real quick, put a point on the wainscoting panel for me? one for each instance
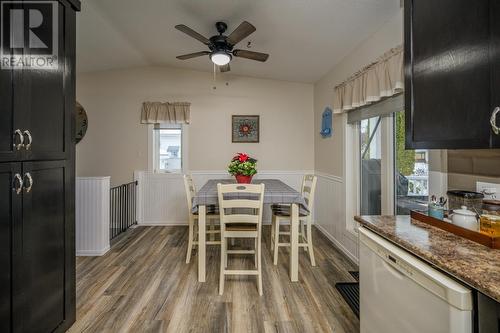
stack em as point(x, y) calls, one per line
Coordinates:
point(162, 199)
point(92, 216)
point(330, 214)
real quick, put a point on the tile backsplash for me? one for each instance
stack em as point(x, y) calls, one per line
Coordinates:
point(467, 167)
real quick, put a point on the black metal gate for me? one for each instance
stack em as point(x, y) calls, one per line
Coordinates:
point(123, 201)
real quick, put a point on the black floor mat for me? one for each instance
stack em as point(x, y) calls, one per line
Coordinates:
point(355, 274)
point(350, 293)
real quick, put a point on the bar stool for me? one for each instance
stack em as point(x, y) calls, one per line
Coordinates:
point(240, 217)
point(281, 213)
point(212, 216)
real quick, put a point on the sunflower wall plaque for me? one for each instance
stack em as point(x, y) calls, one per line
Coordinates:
point(82, 122)
point(245, 129)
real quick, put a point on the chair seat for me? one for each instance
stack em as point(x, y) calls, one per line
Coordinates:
point(211, 210)
point(284, 210)
point(241, 227)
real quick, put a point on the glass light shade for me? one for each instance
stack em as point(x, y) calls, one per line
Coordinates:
point(220, 58)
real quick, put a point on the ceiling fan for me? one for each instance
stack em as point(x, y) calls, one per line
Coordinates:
point(221, 46)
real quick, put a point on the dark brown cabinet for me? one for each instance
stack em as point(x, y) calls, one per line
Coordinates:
point(41, 96)
point(495, 65)
point(37, 282)
point(47, 238)
point(37, 154)
point(452, 77)
point(10, 225)
point(33, 114)
point(10, 139)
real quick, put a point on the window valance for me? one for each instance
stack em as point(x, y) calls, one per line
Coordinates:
point(383, 78)
point(165, 113)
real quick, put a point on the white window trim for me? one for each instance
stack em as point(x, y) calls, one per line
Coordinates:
point(387, 165)
point(351, 176)
point(352, 171)
point(152, 150)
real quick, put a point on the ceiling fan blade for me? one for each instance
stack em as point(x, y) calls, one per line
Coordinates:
point(244, 30)
point(251, 55)
point(225, 68)
point(192, 55)
point(192, 33)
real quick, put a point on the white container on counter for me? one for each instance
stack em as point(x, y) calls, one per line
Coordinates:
point(465, 218)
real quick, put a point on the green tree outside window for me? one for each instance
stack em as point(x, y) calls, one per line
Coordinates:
point(405, 159)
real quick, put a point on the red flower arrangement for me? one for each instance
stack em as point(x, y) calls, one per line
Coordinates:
point(243, 167)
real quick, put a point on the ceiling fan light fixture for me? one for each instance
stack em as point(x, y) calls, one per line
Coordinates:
point(220, 58)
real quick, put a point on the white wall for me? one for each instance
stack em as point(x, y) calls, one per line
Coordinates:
point(329, 153)
point(116, 143)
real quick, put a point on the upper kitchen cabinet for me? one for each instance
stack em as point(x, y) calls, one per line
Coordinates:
point(452, 73)
point(8, 134)
point(37, 99)
point(11, 123)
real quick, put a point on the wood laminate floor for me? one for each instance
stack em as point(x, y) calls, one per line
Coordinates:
point(144, 285)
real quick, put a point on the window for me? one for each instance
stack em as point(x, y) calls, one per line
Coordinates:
point(168, 148)
point(382, 177)
point(412, 172)
point(391, 178)
point(370, 142)
point(421, 156)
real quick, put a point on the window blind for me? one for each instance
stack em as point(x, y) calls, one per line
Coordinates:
point(385, 107)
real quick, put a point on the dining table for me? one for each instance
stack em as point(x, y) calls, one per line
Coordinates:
point(276, 192)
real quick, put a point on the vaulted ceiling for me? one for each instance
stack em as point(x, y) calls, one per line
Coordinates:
point(305, 38)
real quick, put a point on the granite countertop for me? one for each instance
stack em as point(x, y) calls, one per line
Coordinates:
point(474, 264)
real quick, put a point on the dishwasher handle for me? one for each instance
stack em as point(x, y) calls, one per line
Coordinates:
point(393, 269)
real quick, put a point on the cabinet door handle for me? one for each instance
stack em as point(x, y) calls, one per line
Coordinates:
point(18, 184)
point(493, 121)
point(27, 187)
point(30, 139)
point(19, 135)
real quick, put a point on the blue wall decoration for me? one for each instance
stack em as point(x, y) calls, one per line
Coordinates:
point(326, 123)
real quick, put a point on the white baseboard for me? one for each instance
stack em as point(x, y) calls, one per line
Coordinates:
point(337, 244)
point(92, 253)
point(162, 224)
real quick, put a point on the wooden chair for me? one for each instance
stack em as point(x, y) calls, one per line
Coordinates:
point(241, 218)
point(281, 213)
point(212, 215)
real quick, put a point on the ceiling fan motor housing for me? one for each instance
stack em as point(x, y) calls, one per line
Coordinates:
point(221, 27)
point(219, 43)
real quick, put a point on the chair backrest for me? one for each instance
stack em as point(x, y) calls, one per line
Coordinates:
point(190, 191)
point(308, 190)
point(241, 203)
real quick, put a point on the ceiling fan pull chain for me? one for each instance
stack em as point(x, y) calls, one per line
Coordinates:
point(215, 77)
